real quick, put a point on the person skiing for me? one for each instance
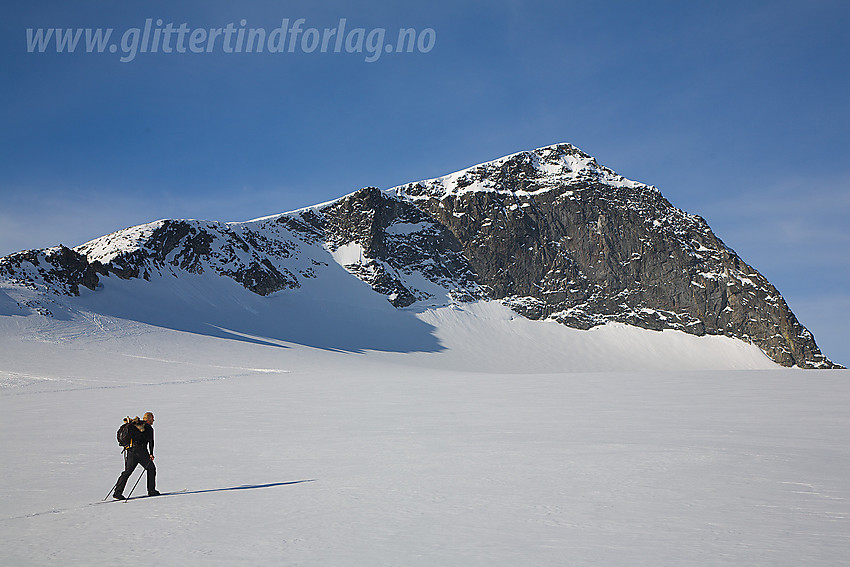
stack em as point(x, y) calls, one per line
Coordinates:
point(140, 452)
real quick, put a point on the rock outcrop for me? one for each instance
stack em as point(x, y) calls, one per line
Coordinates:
point(557, 236)
point(549, 232)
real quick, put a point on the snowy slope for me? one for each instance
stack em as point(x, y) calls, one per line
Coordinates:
point(341, 313)
point(320, 425)
point(551, 168)
point(296, 455)
point(335, 386)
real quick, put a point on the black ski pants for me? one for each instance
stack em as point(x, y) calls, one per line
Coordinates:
point(131, 461)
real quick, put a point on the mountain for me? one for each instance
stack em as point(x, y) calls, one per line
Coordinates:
point(550, 233)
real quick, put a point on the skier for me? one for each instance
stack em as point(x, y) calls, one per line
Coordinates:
point(140, 452)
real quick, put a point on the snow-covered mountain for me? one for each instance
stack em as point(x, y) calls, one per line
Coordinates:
point(550, 233)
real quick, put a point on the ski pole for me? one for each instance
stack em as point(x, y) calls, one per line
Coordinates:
point(124, 452)
point(137, 482)
point(111, 490)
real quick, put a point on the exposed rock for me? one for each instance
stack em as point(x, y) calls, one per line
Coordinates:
point(253, 259)
point(59, 269)
point(555, 235)
point(397, 241)
point(550, 232)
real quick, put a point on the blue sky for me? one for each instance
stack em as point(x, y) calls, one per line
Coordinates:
point(736, 111)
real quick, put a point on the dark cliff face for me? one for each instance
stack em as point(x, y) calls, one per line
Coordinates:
point(555, 235)
point(61, 269)
point(550, 233)
point(195, 247)
point(398, 239)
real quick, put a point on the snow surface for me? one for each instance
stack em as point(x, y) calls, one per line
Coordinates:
point(561, 164)
point(310, 428)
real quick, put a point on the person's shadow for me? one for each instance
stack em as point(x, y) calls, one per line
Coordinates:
point(243, 487)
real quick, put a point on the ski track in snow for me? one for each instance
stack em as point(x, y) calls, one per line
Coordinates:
point(265, 370)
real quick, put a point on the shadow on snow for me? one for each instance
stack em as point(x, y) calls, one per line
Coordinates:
point(348, 318)
point(243, 487)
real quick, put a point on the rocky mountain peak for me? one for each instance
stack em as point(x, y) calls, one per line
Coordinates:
point(551, 168)
point(549, 232)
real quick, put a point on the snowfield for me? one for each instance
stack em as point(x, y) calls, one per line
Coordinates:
point(349, 433)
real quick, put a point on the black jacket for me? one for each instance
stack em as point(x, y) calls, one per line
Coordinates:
point(143, 444)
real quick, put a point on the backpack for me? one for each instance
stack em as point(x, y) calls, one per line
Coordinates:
point(130, 432)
